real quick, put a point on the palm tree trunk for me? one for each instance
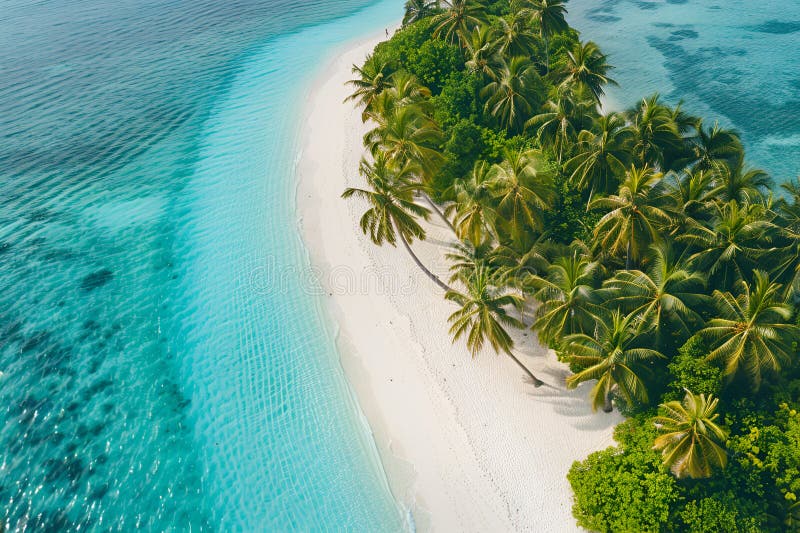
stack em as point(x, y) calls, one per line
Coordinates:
point(438, 211)
point(608, 406)
point(546, 54)
point(536, 381)
point(628, 254)
point(422, 267)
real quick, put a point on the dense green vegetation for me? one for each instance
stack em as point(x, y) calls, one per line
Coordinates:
point(665, 271)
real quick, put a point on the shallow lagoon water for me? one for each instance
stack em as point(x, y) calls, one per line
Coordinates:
point(728, 60)
point(166, 364)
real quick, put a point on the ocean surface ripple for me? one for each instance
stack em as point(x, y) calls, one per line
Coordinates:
point(153, 376)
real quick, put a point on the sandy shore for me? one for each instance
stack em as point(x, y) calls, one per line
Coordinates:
point(467, 444)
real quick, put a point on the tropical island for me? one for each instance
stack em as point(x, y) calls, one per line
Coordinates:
point(639, 245)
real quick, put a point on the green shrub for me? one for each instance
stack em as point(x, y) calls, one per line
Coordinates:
point(624, 489)
point(713, 515)
point(404, 44)
point(690, 370)
point(434, 63)
point(457, 100)
point(570, 219)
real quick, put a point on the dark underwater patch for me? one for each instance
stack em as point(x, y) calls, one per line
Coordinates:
point(777, 27)
point(683, 34)
point(716, 82)
point(647, 6)
point(601, 17)
point(96, 279)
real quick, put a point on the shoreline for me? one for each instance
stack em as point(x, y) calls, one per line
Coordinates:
point(465, 443)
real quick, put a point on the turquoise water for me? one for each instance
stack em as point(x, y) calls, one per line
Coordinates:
point(730, 60)
point(165, 362)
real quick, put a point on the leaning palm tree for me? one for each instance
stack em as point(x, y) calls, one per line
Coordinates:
point(372, 79)
point(459, 18)
point(613, 357)
point(753, 333)
point(418, 10)
point(484, 315)
point(664, 296)
point(690, 437)
point(569, 302)
point(588, 67)
point(406, 134)
point(522, 186)
point(473, 212)
point(466, 258)
point(514, 94)
point(392, 210)
point(633, 220)
point(603, 154)
point(550, 15)
point(521, 263)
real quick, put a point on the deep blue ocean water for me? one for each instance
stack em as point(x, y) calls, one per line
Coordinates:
point(734, 61)
point(165, 365)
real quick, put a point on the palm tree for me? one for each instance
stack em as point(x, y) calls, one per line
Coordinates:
point(656, 132)
point(602, 155)
point(753, 333)
point(458, 20)
point(612, 357)
point(407, 90)
point(483, 51)
point(787, 256)
point(404, 91)
point(569, 303)
point(689, 196)
point(521, 263)
point(523, 187)
point(514, 94)
point(588, 67)
point(406, 134)
point(372, 79)
point(515, 37)
point(561, 120)
point(418, 10)
point(473, 215)
point(467, 258)
point(633, 221)
point(664, 297)
point(738, 182)
point(690, 437)
point(715, 146)
point(484, 316)
point(730, 246)
point(392, 210)
point(550, 15)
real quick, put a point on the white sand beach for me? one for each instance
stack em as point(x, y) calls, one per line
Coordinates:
point(467, 443)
